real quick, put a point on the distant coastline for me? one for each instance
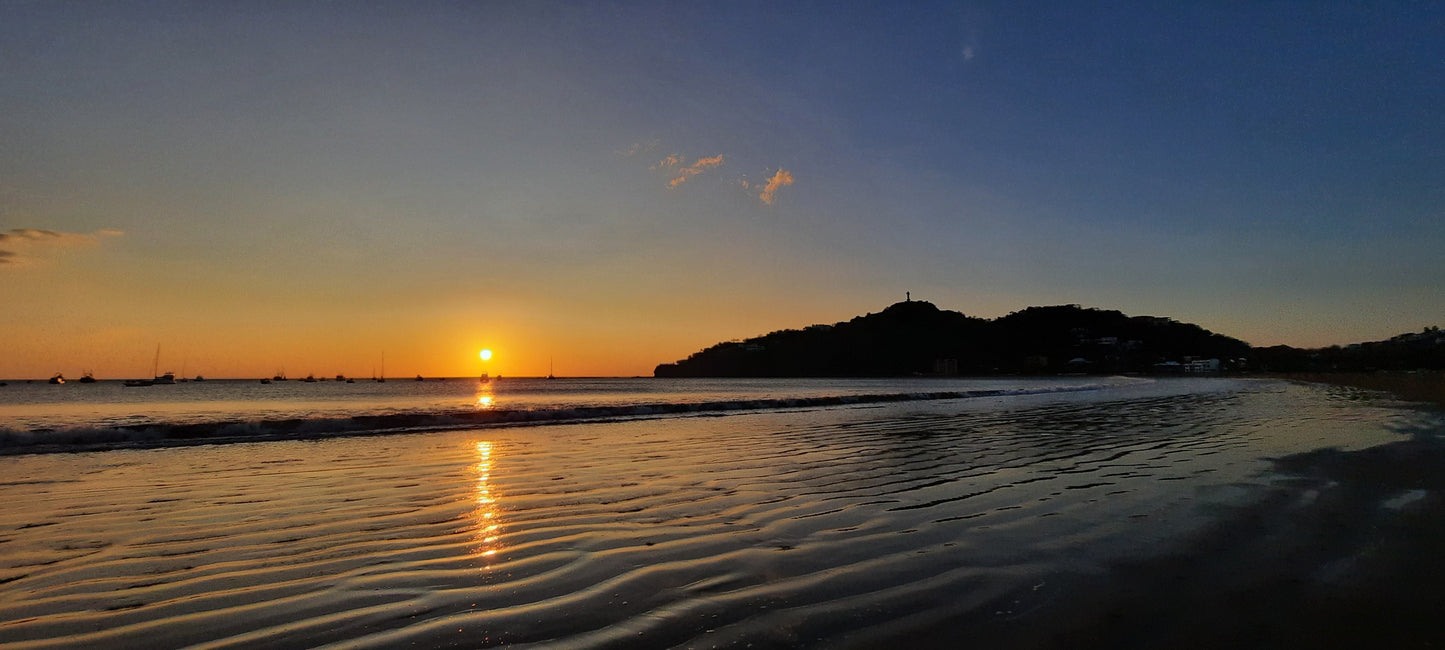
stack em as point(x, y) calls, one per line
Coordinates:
point(916, 338)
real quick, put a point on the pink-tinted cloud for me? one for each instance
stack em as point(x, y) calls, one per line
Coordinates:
point(669, 162)
point(702, 164)
point(782, 178)
point(22, 246)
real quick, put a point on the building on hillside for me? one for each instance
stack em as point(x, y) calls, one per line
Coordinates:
point(1202, 366)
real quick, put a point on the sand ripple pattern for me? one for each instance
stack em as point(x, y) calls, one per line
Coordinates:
point(844, 526)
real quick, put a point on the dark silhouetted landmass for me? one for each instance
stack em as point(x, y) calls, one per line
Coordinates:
point(1424, 350)
point(918, 338)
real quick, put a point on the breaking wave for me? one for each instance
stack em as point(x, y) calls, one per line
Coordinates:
point(165, 434)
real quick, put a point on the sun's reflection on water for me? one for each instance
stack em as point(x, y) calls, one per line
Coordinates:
point(484, 396)
point(488, 524)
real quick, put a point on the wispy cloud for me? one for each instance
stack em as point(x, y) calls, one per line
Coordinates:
point(782, 178)
point(679, 171)
point(702, 164)
point(638, 148)
point(24, 246)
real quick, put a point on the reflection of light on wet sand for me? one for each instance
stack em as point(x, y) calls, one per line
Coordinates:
point(486, 511)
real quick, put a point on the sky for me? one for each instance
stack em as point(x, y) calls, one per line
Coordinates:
point(602, 187)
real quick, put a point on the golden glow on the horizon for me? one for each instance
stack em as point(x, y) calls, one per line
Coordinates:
point(486, 355)
point(488, 530)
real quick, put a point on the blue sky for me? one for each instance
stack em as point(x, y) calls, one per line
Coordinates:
point(237, 179)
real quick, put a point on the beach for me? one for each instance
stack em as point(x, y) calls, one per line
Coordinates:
point(1418, 386)
point(1184, 512)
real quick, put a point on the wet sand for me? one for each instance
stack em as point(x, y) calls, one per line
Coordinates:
point(1183, 513)
point(1418, 386)
point(1342, 552)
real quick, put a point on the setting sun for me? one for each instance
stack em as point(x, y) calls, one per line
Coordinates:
point(486, 355)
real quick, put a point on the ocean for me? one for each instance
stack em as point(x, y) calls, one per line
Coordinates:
point(37, 416)
point(1015, 513)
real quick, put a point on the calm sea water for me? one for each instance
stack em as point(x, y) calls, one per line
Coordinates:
point(109, 413)
point(1069, 513)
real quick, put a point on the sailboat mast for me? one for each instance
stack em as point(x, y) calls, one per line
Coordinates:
point(156, 368)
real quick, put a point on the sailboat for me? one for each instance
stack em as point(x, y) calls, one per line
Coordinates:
point(168, 378)
point(382, 379)
point(549, 369)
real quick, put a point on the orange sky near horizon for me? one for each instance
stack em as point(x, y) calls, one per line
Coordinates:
point(79, 319)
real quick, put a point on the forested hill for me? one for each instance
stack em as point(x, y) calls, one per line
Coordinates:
point(916, 337)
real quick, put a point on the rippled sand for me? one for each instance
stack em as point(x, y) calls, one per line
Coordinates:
point(1016, 521)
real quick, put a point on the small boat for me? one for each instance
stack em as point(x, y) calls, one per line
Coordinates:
point(310, 379)
point(57, 379)
point(350, 380)
point(418, 378)
point(265, 380)
point(168, 378)
point(280, 376)
point(341, 378)
point(87, 378)
point(549, 369)
point(199, 378)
